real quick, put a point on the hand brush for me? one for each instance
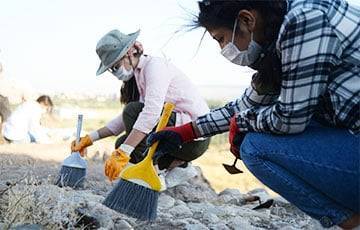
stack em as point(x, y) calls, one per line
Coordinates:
point(137, 192)
point(73, 169)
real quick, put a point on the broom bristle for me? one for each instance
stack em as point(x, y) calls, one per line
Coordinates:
point(134, 200)
point(71, 177)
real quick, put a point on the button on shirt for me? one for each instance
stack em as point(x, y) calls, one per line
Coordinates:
point(319, 47)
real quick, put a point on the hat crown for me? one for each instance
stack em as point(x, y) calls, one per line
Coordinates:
point(110, 45)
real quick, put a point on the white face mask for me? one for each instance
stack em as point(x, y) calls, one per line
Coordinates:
point(123, 74)
point(245, 57)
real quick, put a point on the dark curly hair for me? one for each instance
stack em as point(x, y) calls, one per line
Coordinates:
point(129, 91)
point(222, 14)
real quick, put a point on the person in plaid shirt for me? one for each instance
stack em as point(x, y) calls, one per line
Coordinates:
point(296, 127)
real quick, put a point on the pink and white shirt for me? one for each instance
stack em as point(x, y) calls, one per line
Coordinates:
point(159, 81)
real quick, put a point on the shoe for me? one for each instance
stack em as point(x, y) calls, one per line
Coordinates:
point(179, 175)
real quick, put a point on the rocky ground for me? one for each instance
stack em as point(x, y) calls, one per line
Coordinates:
point(28, 200)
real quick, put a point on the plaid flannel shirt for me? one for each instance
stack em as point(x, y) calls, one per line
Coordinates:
point(319, 47)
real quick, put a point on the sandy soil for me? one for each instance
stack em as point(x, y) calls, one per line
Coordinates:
point(45, 160)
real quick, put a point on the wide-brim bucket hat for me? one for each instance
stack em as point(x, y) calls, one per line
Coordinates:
point(112, 47)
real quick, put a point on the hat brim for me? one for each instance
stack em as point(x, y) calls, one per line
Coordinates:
point(132, 38)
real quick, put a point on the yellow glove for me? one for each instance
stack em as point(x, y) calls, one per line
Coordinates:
point(81, 146)
point(115, 164)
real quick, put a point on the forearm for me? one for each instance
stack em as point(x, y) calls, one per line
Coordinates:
point(134, 137)
point(215, 122)
point(100, 134)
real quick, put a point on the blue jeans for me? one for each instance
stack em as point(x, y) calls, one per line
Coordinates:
point(317, 170)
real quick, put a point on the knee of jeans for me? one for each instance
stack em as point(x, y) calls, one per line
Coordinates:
point(132, 109)
point(251, 147)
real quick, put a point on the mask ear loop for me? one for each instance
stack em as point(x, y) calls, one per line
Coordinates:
point(234, 30)
point(131, 63)
point(135, 85)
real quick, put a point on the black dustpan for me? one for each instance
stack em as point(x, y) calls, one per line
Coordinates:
point(232, 168)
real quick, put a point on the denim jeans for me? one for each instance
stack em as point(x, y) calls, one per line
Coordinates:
point(317, 170)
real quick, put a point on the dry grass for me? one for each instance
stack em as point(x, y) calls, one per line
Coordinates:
point(28, 196)
point(29, 202)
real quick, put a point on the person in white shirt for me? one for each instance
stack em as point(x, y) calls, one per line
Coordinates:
point(23, 125)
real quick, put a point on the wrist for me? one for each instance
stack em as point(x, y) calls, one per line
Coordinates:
point(127, 149)
point(94, 136)
point(186, 132)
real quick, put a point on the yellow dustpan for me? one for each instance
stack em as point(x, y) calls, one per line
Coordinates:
point(144, 172)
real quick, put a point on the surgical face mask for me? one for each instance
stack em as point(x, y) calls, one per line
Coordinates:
point(245, 57)
point(123, 74)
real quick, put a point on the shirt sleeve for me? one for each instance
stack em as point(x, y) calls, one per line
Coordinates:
point(309, 51)
point(158, 75)
point(116, 125)
point(218, 120)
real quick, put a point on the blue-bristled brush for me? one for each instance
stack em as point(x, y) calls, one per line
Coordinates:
point(73, 169)
point(137, 192)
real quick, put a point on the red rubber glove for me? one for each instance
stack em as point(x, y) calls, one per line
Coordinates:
point(235, 138)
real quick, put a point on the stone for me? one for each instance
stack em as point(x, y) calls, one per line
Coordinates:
point(123, 225)
point(179, 202)
point(165, 202)
point(210, 218)
point(199, 209)
point(181, 211)
point(180, 175)
point(29, 227)
point(218, 226)
point(278, 211)
point(193, 224)
point(231, 196)
point(230, 191)
point(239, 223)
point(3, 187)
point(261, 193)
point(289, 228)
point(196, 189)
point(198, 226)
point(163, 216)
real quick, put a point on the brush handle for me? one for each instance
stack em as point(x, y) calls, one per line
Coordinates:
point(168, 108)
point(78, 128)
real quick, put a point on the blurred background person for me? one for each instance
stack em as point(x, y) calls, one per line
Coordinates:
point(24, 124)
point(4, 107)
